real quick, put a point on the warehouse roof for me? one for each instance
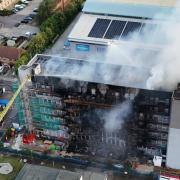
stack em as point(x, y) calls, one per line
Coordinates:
point(129, 8)
point(94, 26)
point(168, 3)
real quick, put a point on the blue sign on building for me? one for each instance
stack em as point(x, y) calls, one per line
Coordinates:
point(82, 47)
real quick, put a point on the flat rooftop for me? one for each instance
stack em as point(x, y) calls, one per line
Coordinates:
point(167, 3)
point(91, 71)
point(131, 8)
point(104, 30)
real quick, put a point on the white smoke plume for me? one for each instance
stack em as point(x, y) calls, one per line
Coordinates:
point(116, 117)
point(163, 60)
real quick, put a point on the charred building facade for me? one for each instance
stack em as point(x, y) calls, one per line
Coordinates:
point(92, 115)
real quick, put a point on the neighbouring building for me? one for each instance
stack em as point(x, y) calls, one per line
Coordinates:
point(9, 55)
point(5, 4)
point(173, 160)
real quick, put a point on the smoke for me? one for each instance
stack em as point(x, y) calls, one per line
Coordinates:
point(155, 48)
point(115, 118)
point(148, 59)
point(105, 73)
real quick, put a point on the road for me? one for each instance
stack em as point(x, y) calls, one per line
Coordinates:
point(7, 22)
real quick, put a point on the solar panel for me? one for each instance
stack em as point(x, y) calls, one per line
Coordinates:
point(131, 27)
point(115, 29)
point(99, 28)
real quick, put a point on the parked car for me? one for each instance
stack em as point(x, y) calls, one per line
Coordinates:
point(28, 18)
point(25, 2)
point(18, 7)
point(24, 21)
point(32, 15)
point(28, 34)
point(17, 24)
point(23, 5)
point(14, 10)
point(35, 10)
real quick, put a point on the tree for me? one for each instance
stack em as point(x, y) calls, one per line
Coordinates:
point(37, 44)
point(45, 10)
point(49, 34)
point(70, 12)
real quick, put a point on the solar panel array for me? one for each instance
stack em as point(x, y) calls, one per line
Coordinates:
point(116, 29)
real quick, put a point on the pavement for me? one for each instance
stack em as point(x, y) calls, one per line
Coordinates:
point(7, 22)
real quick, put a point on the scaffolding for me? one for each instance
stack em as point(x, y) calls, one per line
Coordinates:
point(43, 114)
point(19, 105)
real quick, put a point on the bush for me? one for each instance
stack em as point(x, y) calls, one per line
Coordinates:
point(5, 12)
point(37, 44)
point(56, 23)
point(22, 60)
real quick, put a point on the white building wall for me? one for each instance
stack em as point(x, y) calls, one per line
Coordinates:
point(173, 149)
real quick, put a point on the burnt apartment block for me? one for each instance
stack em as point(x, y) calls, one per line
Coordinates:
point(93, 117)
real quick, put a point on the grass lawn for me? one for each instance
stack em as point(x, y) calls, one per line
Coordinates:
point(17, 165)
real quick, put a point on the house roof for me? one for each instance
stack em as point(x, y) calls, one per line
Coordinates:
point(9, 54)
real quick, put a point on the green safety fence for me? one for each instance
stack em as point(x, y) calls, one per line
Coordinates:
point(42, 111)
point(34, 101)
point(19, 105)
